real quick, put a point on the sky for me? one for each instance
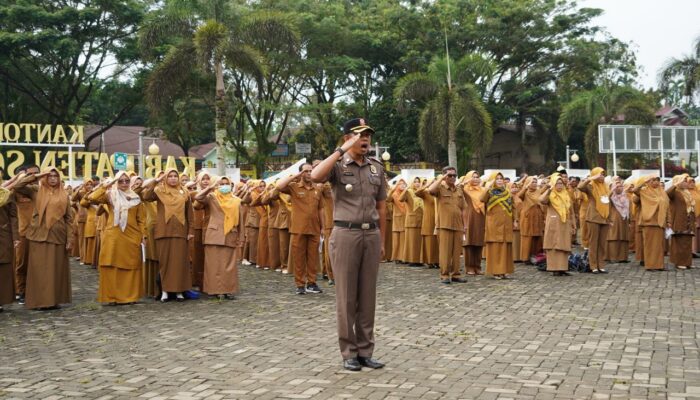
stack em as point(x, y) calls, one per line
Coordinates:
point(656, 29)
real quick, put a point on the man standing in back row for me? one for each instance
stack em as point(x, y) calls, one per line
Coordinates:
point(356, 243)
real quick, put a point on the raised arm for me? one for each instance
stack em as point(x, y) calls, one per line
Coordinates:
point(321, 172)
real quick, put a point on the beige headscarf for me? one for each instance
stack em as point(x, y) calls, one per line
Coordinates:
point(560, 201)
point(653, 200)
point(122, 201)
point(687, 195)
point(230, 204)
point(599, 190)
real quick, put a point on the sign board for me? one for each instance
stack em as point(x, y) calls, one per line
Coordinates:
point(647, 139)
point(282, 150)
point(120, 161)
point(288, 171)
point(302, 148)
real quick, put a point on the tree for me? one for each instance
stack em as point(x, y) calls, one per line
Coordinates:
point(604, 105)
point(687, 69)
point(209, 35)
point(54, 54)
point(447, 111)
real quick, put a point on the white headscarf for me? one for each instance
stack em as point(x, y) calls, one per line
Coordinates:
point(122, 201)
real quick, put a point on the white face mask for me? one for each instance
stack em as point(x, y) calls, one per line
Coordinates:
point(225, 189)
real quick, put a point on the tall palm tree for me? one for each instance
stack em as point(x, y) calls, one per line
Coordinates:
point(686, 68)
point(206, 34)
point(448, 110)
point(604, 105)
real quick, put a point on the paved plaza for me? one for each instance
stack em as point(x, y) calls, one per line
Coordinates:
point(628, 334)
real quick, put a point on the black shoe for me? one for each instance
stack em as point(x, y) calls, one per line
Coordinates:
point(445, 281)
point(300, 290)
point(325, 277)
point(313, 289)
point(602, 271)
point(415, 265)
point(351, 364)
point(459, 280)
point(229, 297)
point(20, 299)
point(331, 282)
point(370, 362)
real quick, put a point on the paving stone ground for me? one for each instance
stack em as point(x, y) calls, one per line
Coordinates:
point(628, 334)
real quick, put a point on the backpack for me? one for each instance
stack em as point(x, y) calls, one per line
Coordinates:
point(539, 260)
point(579, 262)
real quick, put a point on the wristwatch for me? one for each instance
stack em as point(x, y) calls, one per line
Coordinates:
point(339, 150)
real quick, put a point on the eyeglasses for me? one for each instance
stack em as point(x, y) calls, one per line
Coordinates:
point(123, 181)
point(451, 175)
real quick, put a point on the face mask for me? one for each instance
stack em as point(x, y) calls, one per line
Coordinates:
point(225, 189)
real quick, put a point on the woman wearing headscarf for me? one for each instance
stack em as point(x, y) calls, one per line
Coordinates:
point(517, 206)
point(429, 243)
point(531, 219)
point(262, 252)
point(273, 235)
point(49, 235)
point(597, 216)
point(412, 225)
point(398, 228)
point(499, 227)
point(281, 226)
point(172, 231)
point(476, 222)
point(619, 232)
point(252, 221)
point(653, 219)
point(695, 192)
point(559, 222)
point(9, 241)
point(150, 267)
point(202, 181)
point(222, 239)
point(120, 261)
point(682, 222)
point(89, 256)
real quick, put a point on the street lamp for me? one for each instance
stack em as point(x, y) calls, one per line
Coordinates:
point(153, 149)
point(574, 157)
point(386, 156)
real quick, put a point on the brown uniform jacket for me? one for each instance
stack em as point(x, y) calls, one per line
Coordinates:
point(214, 230)
point(499, 225)
point(367, 186)
point(450, 204)
point(428, 223)
point(327, 204)
point(591, 213)
point(557, 233)
point(252, 219)
point(619, 227)
point(25, 207)
point(60, 233)
point(306, 208)
point(399, 217)
point(414, 218)
point(682, 221)
point(9, 232)
point(173, 228)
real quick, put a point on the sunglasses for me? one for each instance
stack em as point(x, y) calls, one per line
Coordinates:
point(451, 175)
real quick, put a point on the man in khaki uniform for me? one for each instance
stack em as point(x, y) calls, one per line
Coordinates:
point(305, 228)
point(356, 243)
point(451, 224)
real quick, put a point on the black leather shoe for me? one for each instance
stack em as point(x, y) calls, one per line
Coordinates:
point(370, 362)
point(351, 364)
point(445, 281)
point(459, 280)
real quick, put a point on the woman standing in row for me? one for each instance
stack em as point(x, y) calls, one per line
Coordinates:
point(412, 225)
point(429, 243)
point(50, 240)
point(681, 221)
point(597, 214)
point(398, 227)
point(559, 223)
point(531, 219)
point(223, 236)
point(499, 227)
point(653, 209)
point(172, 231)
point(120, 259)
point(476, 223)
point(619, 231)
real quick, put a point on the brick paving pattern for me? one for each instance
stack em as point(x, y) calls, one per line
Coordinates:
point(628, 334)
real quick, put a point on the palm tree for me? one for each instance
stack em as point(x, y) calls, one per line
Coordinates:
point(604, 105)
point(686, 68)
point(206, 34)
point(448, 110)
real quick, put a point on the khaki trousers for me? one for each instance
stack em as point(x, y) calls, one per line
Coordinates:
point(305, 255)
point(355, 258)
point(252, 234)
point(450, 244)
point(597, 244)
point(284, 247)
point(327, 265)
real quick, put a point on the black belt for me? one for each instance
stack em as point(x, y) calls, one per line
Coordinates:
point(351, 225)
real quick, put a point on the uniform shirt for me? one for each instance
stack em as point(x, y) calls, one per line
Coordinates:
point(25, 208)
point(366, 183)
point(306, 206)
point(450, 203)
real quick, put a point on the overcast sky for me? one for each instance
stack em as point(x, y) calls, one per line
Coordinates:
point(656, 29)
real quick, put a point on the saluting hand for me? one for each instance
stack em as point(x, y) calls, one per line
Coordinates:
point(350, 142)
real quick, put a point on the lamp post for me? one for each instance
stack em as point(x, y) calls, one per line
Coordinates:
point(385, 156)
point(141, 163)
